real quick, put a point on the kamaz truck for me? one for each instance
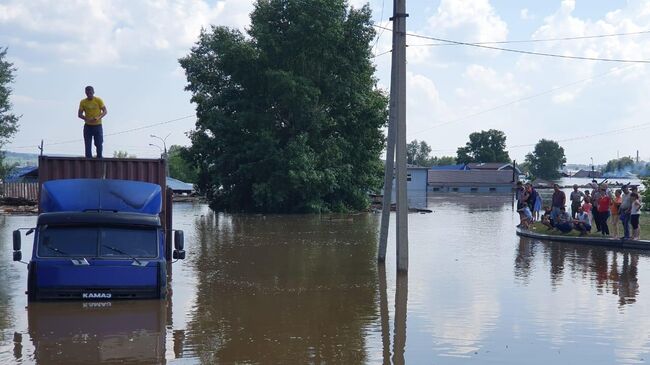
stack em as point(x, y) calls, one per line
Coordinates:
point(100, 238)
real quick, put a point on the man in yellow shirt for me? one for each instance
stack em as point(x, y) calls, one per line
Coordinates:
point(92, 110)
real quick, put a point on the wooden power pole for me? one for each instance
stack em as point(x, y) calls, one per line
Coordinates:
point(397, 125)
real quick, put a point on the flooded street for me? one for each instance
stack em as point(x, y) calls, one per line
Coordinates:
point(306, 289)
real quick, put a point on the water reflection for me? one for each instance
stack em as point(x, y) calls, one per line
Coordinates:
point(399, 325)
point(94, 332)
point(273, 290)
point(611, 271)
point(401, 297)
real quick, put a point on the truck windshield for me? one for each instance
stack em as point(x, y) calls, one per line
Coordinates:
point(97, 242)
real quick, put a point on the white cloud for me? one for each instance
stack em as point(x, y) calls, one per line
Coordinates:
point(524, 14)
point(103, 32)
point(474, 21)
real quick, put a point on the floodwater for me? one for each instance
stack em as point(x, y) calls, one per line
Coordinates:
point(259, 289)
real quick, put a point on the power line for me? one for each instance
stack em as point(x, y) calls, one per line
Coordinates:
point(111, 134)
point(540, 40)
point(383, 53)
point(549, 91)
point(526, 52)
point(577, 138)
point(381, 19)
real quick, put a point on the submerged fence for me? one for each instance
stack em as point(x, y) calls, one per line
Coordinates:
point(23, 190)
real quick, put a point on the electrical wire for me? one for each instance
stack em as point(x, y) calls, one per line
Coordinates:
point(381, 19)
point(525, 52)
point(549, 91)
point(110, 134)
point(541, 40)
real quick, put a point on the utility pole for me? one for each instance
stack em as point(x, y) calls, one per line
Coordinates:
point(164, 154)
point(389, 173)
point(396, 138)
point(399, 68)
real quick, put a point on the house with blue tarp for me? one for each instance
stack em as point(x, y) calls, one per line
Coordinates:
point(23, 174)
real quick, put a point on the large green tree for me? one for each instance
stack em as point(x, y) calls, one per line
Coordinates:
point(289, 116)
point(546, 160)
point(484, 146)
point(8, 120)
point(180, 164)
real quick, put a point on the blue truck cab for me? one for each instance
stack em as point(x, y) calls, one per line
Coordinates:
point(99, 239)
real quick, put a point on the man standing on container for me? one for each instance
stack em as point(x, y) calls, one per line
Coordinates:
point(92, 110)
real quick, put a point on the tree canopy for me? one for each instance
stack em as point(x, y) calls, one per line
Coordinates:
point(419, 153)
point(289, 116)
point(546, 160)
point(484, 146)
point(180, 164)
point(8, 120)
point(620, 164)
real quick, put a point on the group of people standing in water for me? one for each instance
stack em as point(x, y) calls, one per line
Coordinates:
point(601, 208)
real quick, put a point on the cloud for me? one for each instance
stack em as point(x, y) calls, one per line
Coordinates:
point(525, 15)
point(104, 32)
point(475, 21)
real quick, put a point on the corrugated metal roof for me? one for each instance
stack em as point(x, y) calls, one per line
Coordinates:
point(20, 172)
point(457, 167)
point(177, 185)
point(437, 177)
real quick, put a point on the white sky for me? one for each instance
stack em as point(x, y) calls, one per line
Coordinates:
point(128, 50)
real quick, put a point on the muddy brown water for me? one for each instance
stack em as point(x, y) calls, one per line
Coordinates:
point(278, 289)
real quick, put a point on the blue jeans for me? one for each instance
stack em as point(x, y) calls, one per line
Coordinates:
point(625, 218)
point(555, 211)
point(95, 132)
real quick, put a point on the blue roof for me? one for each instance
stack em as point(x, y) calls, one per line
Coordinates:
point(449, 167)
point(177, 185)
point(19, 172)
point(79, 195)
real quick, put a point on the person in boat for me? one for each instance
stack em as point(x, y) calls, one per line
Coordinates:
point(625, 210)
point(635, 214)
point(595, 197)
point(576, 198)
point(604, 203)
point(533, 200)
point(546, 218)
point(614, 209)
point(581, 222)
point(586, 207)
point(526, 217)
point(558, 201)
point(564, 223)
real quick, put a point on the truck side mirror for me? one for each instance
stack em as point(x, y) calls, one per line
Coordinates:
point(178, 255)
point(16, 241)
point(18, 255)
point(179, 240)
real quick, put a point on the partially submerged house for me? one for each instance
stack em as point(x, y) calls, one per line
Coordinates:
point(587, 174)
point(471, 181)
point(493, 177)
